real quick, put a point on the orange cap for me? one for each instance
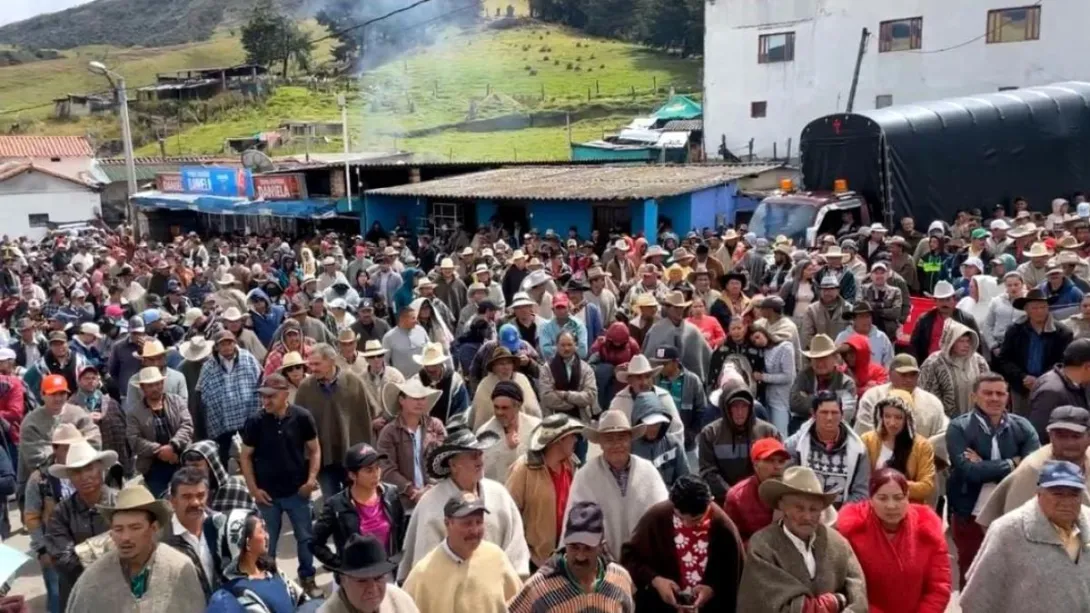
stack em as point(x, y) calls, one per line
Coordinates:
point(53, 384)
point(766, 448)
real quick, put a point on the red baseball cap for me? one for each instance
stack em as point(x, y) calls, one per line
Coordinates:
point(766, 448)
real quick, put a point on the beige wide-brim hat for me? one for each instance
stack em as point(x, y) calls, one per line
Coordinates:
point(196, 349)
point(81, 454)
point(150, 376)
point(226, 279)
point(137, 498)
point(231, 314)
point(153, 348)
point(373, 349)
point(821, 346)
point(292, 358)
point(1037, 250)
point(447, 264)
point(66, 434)
point(552, 429)
point(412, 388)
point(645, 300)
point(796, 480)
point(676, 299)
point(191, 317)
point(432, 355)
point(612, 421)
point(639, 365)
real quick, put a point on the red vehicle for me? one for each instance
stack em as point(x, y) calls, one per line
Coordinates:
point(804, 216)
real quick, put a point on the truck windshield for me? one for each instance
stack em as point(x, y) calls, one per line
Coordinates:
point(773, 218)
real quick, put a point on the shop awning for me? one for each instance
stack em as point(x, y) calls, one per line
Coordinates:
point(314, 208)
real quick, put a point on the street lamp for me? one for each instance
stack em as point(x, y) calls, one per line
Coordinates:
point(342, 101)
point(118, 83)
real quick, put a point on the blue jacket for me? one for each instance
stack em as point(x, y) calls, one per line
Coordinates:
point(265, 326)
point(1065, 301)
point(1016, 438)
point(403, 297)
point(550, 331)
point(594, 324)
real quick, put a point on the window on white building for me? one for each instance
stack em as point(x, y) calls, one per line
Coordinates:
point(900, 34)
point(1014, 25)
point(773, 48)
point(38, 220)
point(758, 110)
point(881, 101)
point(1008, 88)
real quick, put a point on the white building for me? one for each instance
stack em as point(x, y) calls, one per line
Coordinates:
point(45, 180)
point(772, 66)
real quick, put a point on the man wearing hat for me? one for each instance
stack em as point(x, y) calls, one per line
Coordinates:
point(826, 315)
point(928, 413)
point(927, 334)
point(37, 426)
point(368, 327)
point(1064, 297)
point(375, 375)
point(1069, 431)
point(886, 299)
point(836, 267)
point(743, 502)
point(159, 429)
point(1038, 553)
point(798, 563)
point(1031, 347)
point(562, 321)
point(464, 564)
point(512, 277)
point(86, 342)
point(579, 577)
point(623, 501)
point(31, 344)
point(124, 574)
point(483, 275)
point(363, 579)
point(862, 322)
point(674, 330)
point(58, 360)
point(74, 521)
point(458, 464)
point(233, 320)
point(1035, 269)
point(154, 355)
point(228, 391)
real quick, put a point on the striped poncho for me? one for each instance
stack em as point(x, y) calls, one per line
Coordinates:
point(550, 590)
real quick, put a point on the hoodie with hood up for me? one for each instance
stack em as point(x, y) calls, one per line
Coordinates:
point(225, 493)
point(866, 373)
point(343, 290)
point(724, 446)
point(665, 453)
point(404, 296)
point(265, 325)
point(951, 378)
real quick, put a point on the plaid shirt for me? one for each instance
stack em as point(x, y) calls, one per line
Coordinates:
point(228, 398)
point(112, 424)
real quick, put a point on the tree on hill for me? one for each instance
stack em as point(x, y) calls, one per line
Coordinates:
point(270, 37)
point(668, 24)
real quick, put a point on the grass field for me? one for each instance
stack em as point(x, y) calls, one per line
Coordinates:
point(472, 74)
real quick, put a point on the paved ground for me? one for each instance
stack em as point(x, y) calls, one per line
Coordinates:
point(29, 583)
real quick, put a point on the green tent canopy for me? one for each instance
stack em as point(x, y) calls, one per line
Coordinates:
point(679, 107)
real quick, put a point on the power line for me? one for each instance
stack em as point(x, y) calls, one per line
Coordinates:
point(311, 41)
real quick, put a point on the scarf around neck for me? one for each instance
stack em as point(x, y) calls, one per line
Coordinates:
point(559, 370)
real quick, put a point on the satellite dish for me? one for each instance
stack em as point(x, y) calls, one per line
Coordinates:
point(256, 161)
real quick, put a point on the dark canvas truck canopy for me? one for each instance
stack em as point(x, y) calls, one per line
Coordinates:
point(930, 159)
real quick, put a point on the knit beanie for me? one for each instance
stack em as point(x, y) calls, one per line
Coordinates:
point(507, 389)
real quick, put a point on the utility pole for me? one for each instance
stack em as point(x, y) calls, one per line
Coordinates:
point(118, 83)
point(858, 64)
point(342, 100)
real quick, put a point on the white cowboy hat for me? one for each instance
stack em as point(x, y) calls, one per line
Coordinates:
point(645, 300)
point(226, 279)
point(833, 252)
point(536, 278)
point(676, 299)
point(231, 314)
point(447, 263)
point(796, 480)
point(137, 498)
point(291, 358)
point(518, 255)
point(90, 328)
point(66, 434)
point(521, 299)
point(81, 454)
point(412, 388)
point(191, 317)
point(432, 355)
point(820, 346)
point(150, 375)
point(425, 282)
point(196, 349)
point(621, 245)
point(613, 420)
point(152, 349)
point(373, 348)
point(639, 365)
point(943, 289)
point(552, 429)
point(1037, 250)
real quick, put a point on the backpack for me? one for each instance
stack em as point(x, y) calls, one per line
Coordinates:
point(224, 600)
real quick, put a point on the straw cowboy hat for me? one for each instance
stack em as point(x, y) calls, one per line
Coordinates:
point(196, 349)
point(613, 420)
point(373, 348)
point(81, 454)
point(432, 356)
point(595, 272)
point(536, 278)
point(1037, 250)
point(231, 314)
point(152, 349)
point(137, 498)
point(66, 434)
point(521, 299)
point(460, 439)
point(413, 389)
point(292, 358)
point(348, 336)
point(821, 346)
point(191, 317)
point(447, 264)
point(552, 429)
point(645, 300)
point(834, 252)
point(676, 299)
point(226, 279)
point(621, 245)
point(639, 365)
point(150, 376)
point(796, 480)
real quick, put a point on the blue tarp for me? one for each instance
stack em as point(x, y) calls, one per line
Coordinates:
point(221, 205)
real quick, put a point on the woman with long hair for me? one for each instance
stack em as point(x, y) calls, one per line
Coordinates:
point(777, 375)
point(1001, 313)
point(736, 343)
point(895, 444)
point(252, 576)
point(801, 290)
point(900, 546)
point(427, 318)
point(709, 326)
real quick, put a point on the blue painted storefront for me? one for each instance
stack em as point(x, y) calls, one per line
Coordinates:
point(705, 208)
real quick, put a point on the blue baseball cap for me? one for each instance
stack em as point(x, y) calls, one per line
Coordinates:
point(1061, 474)
point(509, 338)
point(151, 316)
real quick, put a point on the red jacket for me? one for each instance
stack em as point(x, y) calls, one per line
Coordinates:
point(866, 373)
point(908, 574)
point(11, 403)
point(745, 509)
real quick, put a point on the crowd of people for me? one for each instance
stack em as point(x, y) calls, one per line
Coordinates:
point(544, 423)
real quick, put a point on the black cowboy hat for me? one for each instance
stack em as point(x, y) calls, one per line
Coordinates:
point(859, 308)
point(1033, 295)
point(364, 557)
point(734, 275)
point(460, 439)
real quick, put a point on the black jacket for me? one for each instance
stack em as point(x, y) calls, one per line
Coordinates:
point(340, 520)
point(1053, 390)
point(921, 334)
point(214, 532)
point(1014, 354)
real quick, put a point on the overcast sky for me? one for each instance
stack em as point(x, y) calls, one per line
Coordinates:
point(18, 10)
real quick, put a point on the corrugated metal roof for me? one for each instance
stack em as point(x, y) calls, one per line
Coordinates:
point(9, 170)
point(578, 182)
point(45, 147)
point(148, 168)
point(684, 125)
